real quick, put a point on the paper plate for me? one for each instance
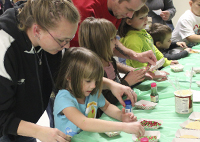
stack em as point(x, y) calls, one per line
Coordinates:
point(158, 64)
point(148, 133)
point(195, 116)
point(196, 96)
point(188, 73)
point(160, 73)
point(177, 67)
point(112, 134)
point(142, 104)
point(194, 51)
point(184, 125)
point(184, 140)
point(196, 69)
point(184, 132)
point(198, 83)
point(150, 123)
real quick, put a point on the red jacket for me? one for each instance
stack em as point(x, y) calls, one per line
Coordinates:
point(92, 8)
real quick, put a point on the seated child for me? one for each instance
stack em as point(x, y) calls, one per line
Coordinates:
point(161, 35)
point(135, 37)
point(80, 84)
point(99, 35)
point(187, 27)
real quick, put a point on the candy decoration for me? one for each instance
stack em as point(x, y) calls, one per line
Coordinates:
point(151, 138)
point(150, 124)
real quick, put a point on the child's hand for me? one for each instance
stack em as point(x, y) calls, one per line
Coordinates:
point(188, 49)
point(174, 62)
point(152, 76)
point(134, 77)
point(134, 128)
point(181, 44)
point(128, 117)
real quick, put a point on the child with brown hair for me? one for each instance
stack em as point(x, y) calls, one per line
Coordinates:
point(134, 36)
point(161, 35)
point(99, 35)
point(79, 82)
point(188, 25)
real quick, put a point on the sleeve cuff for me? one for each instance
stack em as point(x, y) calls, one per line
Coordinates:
point(13, 126)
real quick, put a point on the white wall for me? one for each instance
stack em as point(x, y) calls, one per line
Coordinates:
point(181, 6)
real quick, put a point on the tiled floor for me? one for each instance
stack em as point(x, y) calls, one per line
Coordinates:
point(44, 121)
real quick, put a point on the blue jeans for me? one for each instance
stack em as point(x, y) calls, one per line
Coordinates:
point(19, 139)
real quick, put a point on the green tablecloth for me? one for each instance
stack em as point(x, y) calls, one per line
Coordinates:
point(165, 110)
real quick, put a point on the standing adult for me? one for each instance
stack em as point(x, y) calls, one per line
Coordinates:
point(32, 37)
point(113, 10)
point(29, 56)
point(167, 8)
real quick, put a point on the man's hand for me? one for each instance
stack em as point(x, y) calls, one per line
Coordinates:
point(146, 57)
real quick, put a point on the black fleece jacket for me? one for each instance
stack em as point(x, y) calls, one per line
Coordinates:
point(25, 86)
point(176, 56)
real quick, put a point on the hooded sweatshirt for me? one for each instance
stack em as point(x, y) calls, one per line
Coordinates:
point(25, 86)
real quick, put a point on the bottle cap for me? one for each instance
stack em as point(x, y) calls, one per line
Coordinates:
point(153, 84)
point(144, 140)
point(127, 102)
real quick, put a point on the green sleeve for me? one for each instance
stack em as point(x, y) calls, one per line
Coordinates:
point(133, 42)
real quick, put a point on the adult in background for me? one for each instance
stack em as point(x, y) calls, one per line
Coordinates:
point(32, 38)
point(113, 10)
point(168, 11)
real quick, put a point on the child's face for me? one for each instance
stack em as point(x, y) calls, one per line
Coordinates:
point(195, 7)
point(112, 43)
point(88, 86)
point(167, 41)
point(138, 22)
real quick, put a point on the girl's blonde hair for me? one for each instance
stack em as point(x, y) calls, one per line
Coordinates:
point(96, 34)
point(79, 63)
point(124, 27)
point(47, 13)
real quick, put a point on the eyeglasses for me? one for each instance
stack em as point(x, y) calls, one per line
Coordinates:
point(63, 41)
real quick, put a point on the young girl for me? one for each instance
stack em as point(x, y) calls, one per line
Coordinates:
point(99, 36)
point(80, 83)
point(134, 36)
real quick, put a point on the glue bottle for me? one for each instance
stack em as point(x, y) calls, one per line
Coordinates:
point(128, 107)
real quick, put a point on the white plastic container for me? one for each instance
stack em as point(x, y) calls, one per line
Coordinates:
point(183, 101)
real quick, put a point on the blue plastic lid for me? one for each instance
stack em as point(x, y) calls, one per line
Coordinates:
point(127, 102)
